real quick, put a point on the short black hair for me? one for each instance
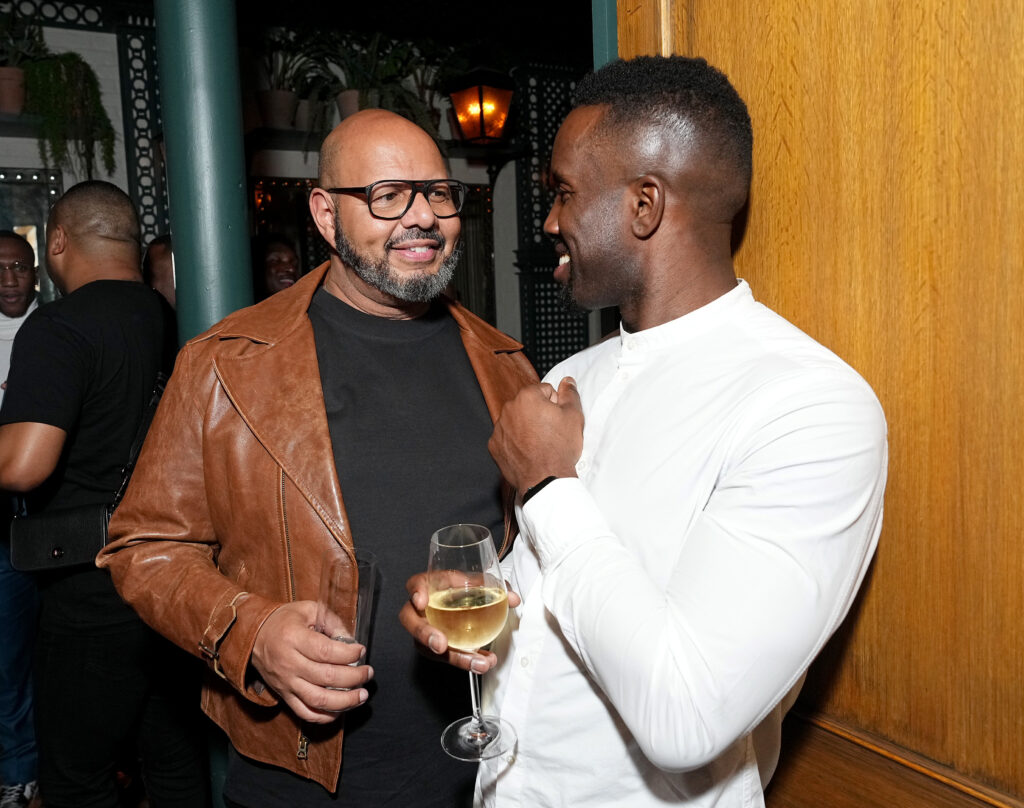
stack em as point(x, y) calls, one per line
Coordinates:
point(164, 239)
point(680, 94)
point(19, 237)
point(156, 241)
point(98, 208)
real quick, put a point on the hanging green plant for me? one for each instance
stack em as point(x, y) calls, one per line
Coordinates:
point(74, 130)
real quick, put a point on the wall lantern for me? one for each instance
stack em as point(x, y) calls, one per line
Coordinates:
point(480, 102)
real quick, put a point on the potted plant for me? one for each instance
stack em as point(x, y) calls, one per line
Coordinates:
point(20, 41)
point(372, 71)
point(282, 66)
point(62, 92)
point(435, 65)
point(315, 84)
point(74, 129)
point(343, 56)
point(395, 79)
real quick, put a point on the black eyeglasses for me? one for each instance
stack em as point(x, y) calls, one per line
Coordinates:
point(391, 199)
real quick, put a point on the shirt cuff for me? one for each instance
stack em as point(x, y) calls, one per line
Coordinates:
point(559, 518)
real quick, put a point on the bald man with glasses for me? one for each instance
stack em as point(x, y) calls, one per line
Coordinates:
point(350, 410)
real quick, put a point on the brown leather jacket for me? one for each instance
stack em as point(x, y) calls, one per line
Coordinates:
point(235, 498)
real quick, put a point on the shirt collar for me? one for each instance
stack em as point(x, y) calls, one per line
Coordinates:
point(690, 325)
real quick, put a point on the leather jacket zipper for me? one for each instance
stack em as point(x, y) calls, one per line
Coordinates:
point(302, 753)
point(287, 543)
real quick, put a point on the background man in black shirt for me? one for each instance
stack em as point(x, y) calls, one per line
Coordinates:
point(82, 371)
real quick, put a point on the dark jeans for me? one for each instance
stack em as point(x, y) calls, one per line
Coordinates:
point(105, 695)
point(17, 632)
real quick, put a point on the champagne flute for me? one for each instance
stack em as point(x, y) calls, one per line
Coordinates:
point(468, 602)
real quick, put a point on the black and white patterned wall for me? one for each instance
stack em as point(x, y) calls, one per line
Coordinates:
point(549, 332)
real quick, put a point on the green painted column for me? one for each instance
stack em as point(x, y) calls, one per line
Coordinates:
point(201, 104)
point(606, 31)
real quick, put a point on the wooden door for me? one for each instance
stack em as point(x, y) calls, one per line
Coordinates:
point(887, 220)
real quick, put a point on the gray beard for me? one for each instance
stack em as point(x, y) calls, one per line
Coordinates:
point(382, 276)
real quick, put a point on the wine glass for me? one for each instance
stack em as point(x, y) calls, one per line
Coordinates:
point(468, 602)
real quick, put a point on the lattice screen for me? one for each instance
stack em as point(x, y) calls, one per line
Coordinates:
point(550, 333)
point(91, 16)
point(474, 274)
point(140, 94)
point(143, 127)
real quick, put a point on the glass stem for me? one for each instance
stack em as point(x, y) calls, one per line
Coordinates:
point(474, 694)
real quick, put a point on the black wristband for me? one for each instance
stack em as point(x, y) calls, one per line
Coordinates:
point(534, 489)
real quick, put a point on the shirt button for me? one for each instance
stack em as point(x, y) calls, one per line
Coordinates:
point(510, 759)
point(525, 662)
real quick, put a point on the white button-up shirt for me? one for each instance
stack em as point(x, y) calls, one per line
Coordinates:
point(8, 330)
point(728, 503)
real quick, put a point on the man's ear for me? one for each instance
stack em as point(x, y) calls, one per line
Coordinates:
point(57, 241)
point(321, 208)
point(648, 205)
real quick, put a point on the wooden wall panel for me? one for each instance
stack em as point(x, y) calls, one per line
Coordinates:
point(887, 220)
point(652, 26)
point(825, 766)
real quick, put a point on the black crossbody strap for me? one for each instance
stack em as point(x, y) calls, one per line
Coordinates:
point(140, 436)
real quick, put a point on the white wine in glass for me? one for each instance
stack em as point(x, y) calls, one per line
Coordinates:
point(468, 602)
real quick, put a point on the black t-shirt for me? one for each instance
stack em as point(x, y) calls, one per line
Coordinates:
point(409, 429)
point(86, 363)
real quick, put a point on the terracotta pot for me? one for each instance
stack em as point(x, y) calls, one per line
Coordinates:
point(12, 90)
point(348, 103)
point(277, 108)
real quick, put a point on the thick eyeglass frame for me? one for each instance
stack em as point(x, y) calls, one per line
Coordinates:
point(418, 187)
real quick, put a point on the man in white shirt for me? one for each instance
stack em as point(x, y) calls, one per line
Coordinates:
point(701, 494)
point(17, 589)
point(17, 292)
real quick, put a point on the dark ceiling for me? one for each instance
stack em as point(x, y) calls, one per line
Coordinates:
point(500, 35)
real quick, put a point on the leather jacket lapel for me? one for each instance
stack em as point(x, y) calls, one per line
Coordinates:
point(498, 379)
point(277, 392)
